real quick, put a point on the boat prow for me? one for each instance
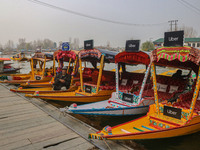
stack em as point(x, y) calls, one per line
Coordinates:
point(151, 126)
point(72, 96)
point(110, 107)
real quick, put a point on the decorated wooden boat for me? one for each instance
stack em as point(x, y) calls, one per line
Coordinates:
point(40, 74)
point(102, 82)
point(62, 56)
point(41, 90)
point(165, 119)
point(123, 101)
point(18, 56)
point(6, 68)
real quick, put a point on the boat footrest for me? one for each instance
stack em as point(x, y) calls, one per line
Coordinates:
point(138, 129)
point(147, 128)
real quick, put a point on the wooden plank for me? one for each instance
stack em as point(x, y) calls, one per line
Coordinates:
point(15, 145)
point(25, 122)
point(81, 146)
point(15, 103)
point(7, 94)
point(14, 98)
point(25, 126)
point(69, 144)
point(38, 136)
point(12, 120)
point(54, 142)
point(52, 133)
point(29, 130)
point(21, 112)
point(21, 116)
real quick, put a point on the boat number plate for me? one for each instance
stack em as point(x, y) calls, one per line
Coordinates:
point(127, 98)
point(88, 89)
point(172, 112)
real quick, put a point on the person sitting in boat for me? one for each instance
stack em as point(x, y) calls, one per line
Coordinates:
point(62, 80)
point(178, 75)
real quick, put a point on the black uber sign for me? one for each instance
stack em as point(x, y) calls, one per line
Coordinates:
point(127, 98)
point(172, 112)
point(174, 38)
point(88, 44)
point(88, 89)
point(132, 45)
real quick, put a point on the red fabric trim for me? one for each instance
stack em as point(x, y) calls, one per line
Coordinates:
point(133, 58)
point(66, 55)
point(92, 52)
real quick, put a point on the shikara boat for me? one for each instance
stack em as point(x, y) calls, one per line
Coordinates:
point(18, 56)
point(123, 101)
point(166, 119)
point(102, 82)
point(7, 68)
point(37, 74)
point(62, 56)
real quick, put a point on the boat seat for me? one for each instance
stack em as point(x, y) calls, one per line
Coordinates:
point(130, 80)
point(185, 102)
point(167, 88)
point(102, 87)
point(186, 99)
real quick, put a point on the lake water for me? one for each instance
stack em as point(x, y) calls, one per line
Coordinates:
point(188, 142)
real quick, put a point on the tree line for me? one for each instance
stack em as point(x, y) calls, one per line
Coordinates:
point(23, 45)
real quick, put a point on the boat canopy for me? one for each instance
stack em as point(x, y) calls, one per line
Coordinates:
point(41, 56)
point(139, 57)
point(94, 55)
point(180, 57)
point(66, 55)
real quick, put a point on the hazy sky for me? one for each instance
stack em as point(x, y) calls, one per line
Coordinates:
point(25, 19)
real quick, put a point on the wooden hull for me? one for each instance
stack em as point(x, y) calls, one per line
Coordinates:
point(151, 126)
point(41, 84)
point(13, 70)
point(15, 59)
point(41, 90)
point(24, 81)
point(103, 108)
point(73, 97)
point(165, 133)
point(46, 82)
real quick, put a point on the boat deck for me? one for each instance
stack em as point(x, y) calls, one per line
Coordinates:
point(35, 124)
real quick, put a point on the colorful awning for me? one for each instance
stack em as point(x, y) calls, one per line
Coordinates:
point(181, 57)
point(95, 55)
point(66, 55)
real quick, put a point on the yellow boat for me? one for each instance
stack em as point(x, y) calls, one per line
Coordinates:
point(18, 56)
point(41, 90)
point(102, 84)
point(166, 119)
point(69, 56)
point(40, 74)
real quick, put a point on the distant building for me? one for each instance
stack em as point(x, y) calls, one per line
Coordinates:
point(193, 42)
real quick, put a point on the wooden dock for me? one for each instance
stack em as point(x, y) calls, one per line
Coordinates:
point(32, 124)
